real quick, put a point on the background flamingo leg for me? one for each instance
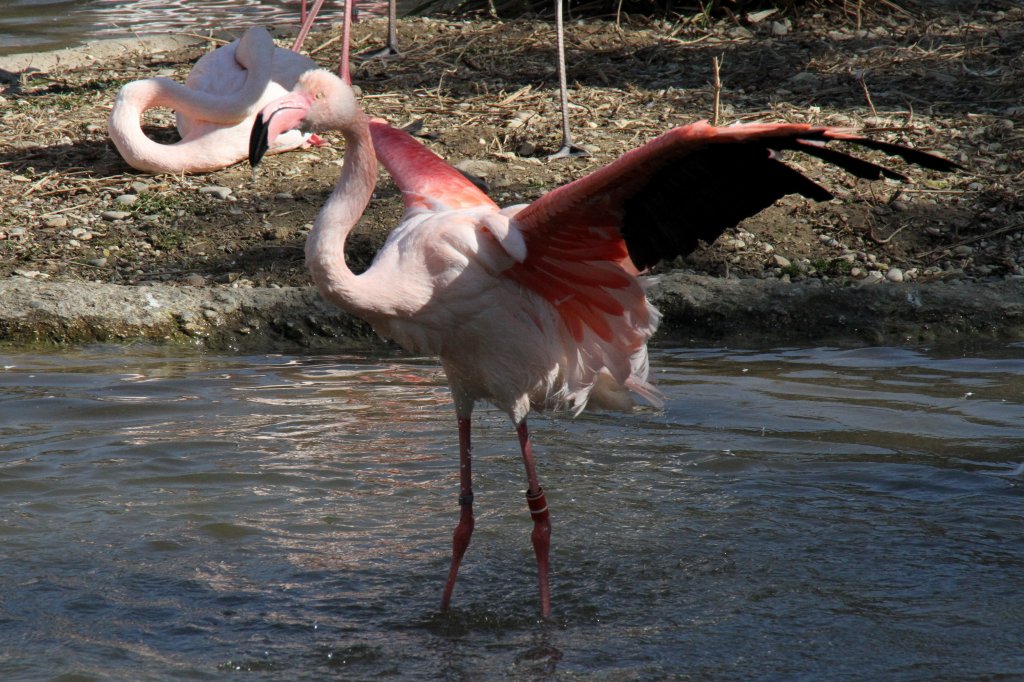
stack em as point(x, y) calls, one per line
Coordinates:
point(463, 531)
point(568, 148)
point(538, 504)
point(391, 48)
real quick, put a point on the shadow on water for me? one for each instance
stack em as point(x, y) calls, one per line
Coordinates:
point(790, 513)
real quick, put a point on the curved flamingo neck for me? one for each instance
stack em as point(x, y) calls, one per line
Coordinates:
point(325, 246)
point(188, 155)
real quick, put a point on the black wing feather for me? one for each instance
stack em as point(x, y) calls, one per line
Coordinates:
point(725, 184)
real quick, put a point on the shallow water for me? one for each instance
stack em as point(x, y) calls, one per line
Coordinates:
point(43, 25)
point(790, 514)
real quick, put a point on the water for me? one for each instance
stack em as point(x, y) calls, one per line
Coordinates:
point(790, 514)
point(43, 25)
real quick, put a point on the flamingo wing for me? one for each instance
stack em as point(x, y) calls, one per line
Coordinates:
point(586, 241)
point(426, 180)
point(693, 182)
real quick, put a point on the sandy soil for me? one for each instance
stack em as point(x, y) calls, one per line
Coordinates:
point(947, 81)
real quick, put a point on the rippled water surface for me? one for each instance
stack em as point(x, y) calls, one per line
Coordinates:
point(41, 25)
point(790, 514)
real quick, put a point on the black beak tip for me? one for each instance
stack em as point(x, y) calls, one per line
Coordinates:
point(258, 144)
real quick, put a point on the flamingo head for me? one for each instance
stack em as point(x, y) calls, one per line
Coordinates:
point(319, 101)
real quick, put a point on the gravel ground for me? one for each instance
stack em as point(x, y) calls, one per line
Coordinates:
point(876, 264)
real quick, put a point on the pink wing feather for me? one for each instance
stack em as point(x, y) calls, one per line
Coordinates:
point(586, 240)
point(425, 179)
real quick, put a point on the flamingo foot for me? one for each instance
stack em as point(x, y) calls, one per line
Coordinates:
point(569, 151)
point(379, 53)
point(541, 538)
point(460, 541)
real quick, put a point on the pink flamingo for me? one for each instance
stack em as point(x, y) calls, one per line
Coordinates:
point(537, 306)
point(215, 109)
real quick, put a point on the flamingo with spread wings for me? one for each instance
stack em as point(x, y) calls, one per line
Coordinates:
point(539, 306)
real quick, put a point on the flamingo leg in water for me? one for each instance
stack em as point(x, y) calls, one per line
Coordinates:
point(463, 531)
point(541, 535)
point(568, 148)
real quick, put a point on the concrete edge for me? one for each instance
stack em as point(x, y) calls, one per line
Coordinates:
point(695, 308)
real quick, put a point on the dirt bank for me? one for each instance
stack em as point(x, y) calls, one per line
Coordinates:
point(87, 244)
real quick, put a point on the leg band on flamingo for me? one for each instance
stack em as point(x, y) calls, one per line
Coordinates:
point(466, 500)
point(538, 505)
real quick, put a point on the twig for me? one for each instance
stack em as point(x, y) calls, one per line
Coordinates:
point(715, 64)
point(324, 45)
point(871, 233)
point(859, 75)
point(516, 95)
point(963, 242)
point(202, 37)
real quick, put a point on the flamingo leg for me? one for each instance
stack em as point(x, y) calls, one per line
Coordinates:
point(568, 148)
point(307, 23)
point(463, 531)
point(346, 42)
point(541, 535)
point(392, 45)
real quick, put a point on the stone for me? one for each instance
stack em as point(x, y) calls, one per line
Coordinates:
point(126, 199)
point(873, 277)
point(894, 275)
point(57, 221)
point(216, 190)
point(115, 215)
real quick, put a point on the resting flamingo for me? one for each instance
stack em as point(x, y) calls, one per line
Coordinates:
point(539, 306)
point(215, 109)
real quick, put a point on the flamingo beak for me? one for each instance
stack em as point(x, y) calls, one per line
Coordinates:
point(259, 141)
point(281, 115)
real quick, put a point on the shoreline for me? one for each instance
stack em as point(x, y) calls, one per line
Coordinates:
point(695, 308)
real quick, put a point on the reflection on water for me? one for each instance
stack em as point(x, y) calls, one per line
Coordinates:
point(43, 25)
point(798, 513)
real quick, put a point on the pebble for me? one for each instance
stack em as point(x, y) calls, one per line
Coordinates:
point(894, 275)
point(126, 199)
point(873, 277)
point(57, 221)
point(81, 233)
point(279, 233)
point(283, 196)
point(781, 261)
point(216, 190)
point(97, 262)
point(115, 215)
point(963, 250)
point(479, 167)
point(139, 187)
point(195, 280)
point(17, 233)
point(527, 148)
